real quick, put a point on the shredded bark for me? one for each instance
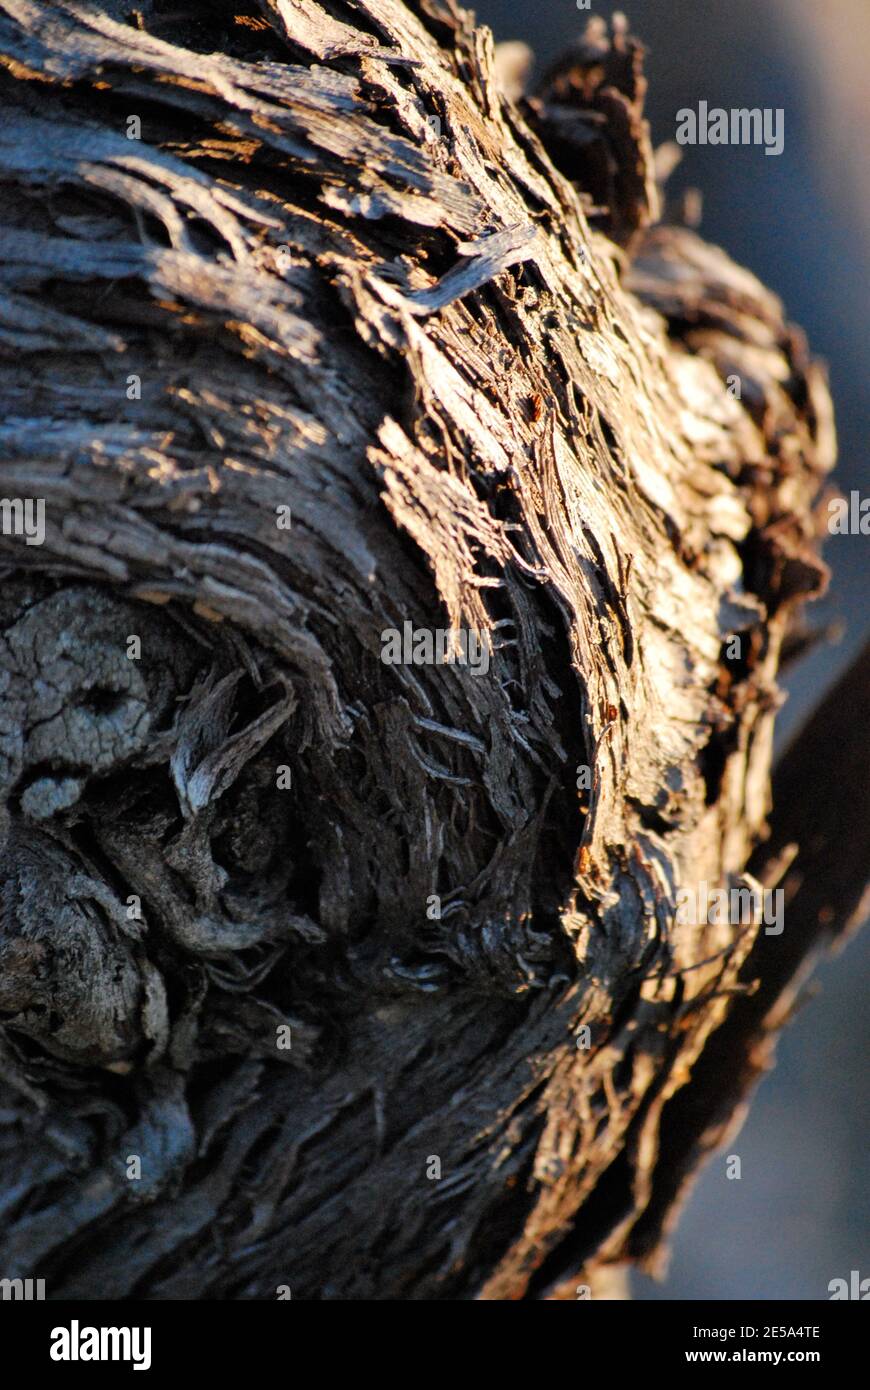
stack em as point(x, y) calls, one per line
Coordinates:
point(358, 275)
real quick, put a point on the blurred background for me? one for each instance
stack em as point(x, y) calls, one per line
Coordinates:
point(798, 1216)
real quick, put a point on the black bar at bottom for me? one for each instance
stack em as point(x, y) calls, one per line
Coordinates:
point(259, 1339)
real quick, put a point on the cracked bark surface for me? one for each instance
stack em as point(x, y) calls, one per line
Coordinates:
point(358, 273)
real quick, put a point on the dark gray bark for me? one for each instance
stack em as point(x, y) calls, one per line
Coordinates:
point(486, 410)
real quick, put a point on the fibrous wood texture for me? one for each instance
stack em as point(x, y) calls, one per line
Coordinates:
point(342, 265)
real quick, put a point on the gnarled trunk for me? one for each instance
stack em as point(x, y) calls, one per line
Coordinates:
point(359, 976)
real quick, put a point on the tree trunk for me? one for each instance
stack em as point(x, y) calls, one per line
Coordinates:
point(359, 977)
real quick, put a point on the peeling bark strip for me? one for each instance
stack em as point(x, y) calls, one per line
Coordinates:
point(282, 924)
